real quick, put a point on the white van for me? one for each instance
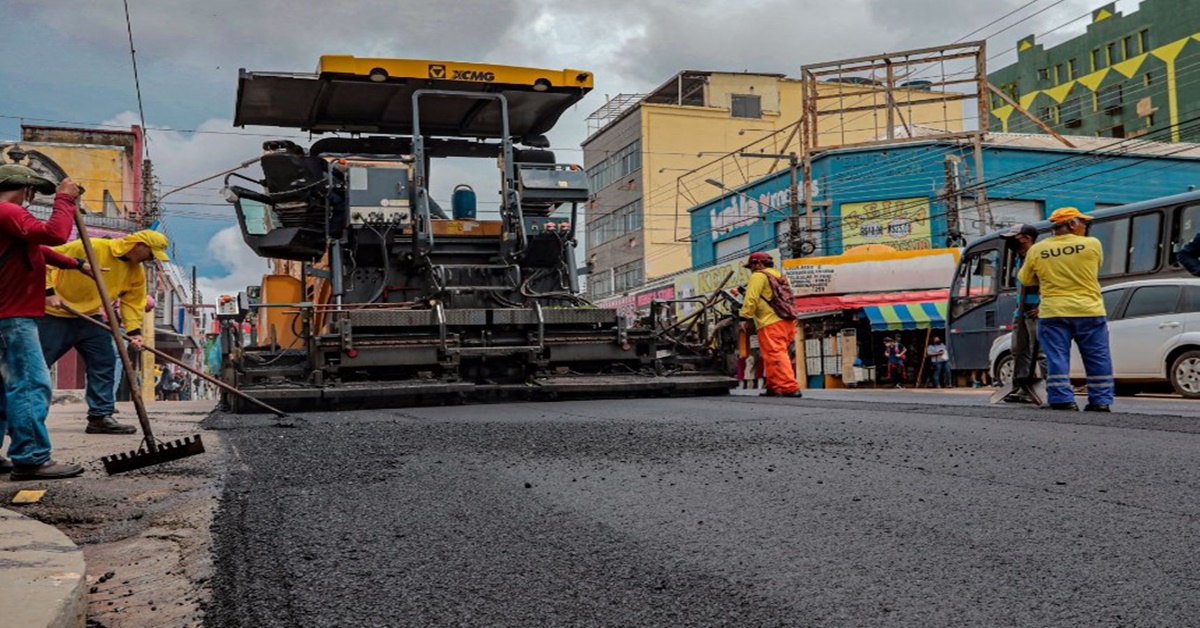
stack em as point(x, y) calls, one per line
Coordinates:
point(1154, 332)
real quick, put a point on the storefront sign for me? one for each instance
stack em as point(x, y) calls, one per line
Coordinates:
point(902, 224)
point(706, 281)
point(880, 271)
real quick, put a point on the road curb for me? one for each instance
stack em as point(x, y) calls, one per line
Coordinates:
point(42, 575)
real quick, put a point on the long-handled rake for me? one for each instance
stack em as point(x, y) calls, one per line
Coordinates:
point(153, 452)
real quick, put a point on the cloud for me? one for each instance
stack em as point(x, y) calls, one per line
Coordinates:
point(241, 266)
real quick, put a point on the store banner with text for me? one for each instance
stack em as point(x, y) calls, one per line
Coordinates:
point(903, 224)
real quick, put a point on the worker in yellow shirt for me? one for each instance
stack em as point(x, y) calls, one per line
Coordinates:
point(1066, 266)
point(60, 331)
point(769, 303)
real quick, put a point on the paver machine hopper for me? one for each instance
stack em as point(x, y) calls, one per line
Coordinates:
point(381, 296)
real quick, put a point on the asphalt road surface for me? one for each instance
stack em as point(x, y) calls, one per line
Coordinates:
point(732, 511)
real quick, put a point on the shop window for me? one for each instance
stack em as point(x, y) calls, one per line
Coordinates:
point(746, 106)
point(1153, 301)
point(1144, 254)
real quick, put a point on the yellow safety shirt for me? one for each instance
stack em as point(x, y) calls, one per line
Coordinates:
point(125, 280)
point(1067, 267)
point(758, 292)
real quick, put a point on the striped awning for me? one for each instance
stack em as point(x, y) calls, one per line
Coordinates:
point(923, 315)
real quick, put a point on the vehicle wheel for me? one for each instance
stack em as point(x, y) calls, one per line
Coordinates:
point(1185, 374)
point(1004, 370)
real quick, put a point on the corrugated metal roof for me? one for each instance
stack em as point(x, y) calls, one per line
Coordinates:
point(1112, 145)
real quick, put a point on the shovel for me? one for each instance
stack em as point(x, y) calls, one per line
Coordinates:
point(206, 377)
point(153, 452)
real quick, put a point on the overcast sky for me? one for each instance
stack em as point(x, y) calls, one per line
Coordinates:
point(69, 61)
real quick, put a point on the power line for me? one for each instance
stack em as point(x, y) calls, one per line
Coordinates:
point(137, 83)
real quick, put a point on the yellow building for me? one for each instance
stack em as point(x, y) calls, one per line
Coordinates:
point(651, 156)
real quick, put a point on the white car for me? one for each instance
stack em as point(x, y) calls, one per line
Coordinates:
point(1154, 333)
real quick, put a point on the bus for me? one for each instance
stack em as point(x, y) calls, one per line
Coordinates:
point(1140, 240)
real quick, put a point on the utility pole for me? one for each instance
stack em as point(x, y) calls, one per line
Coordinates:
point(796, 241)
point(954, 235)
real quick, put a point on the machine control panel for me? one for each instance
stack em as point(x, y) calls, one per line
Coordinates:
point(379, 194)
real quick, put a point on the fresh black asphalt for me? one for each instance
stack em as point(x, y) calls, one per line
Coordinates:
point(731, 511)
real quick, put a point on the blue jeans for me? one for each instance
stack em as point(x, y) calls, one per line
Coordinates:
point(24, 392)
point(941, 373)
point(95, 346)
point(1091, 334)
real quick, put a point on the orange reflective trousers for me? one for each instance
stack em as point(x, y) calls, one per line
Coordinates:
point(773, 341)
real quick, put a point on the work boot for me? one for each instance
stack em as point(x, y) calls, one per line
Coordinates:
point(1097, 407)
point(1068, 405)
point(794, 395)
point(768, 393)
point(107, 425)
point(50, 470)
point(6, 465)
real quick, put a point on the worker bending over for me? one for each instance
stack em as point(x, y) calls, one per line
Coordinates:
point(767, 295)
point(1066, 267)
point(60, 331)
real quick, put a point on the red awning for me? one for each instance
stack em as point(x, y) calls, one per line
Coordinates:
point(815, 305)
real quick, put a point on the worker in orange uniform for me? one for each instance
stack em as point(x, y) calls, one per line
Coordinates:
point(770, 304)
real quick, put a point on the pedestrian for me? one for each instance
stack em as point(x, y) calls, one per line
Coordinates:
point(25, 388)
point(61, 331)
point(770, 305)
point(1066, 267)
point(1189, 255)
point(896, 357)
point(1019, 239)
point(939, 358)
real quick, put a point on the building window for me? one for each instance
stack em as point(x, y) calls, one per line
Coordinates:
point(1148, 79)
point(1149, 120)
point(627, 276)
point(600, 284)
point(1111, 99)
point(621, 221)
point(1144, 40)
point(616, 166)
point(1113, 131)
point(1097, 60)
point(1012, 91)
point(1072, 70)
point(1071, 112)
point(1046, 114)
point(1128, 45)
point(1043, 74)
point(1110, 53)
point(746, 106)
point(1058, 74)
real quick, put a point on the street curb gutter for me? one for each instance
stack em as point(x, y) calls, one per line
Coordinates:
point(42, 575)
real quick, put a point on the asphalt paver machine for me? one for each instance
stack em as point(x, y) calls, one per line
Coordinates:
point(381, 296)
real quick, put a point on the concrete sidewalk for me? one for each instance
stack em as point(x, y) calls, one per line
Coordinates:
point(143, 534)
point(41, 575)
